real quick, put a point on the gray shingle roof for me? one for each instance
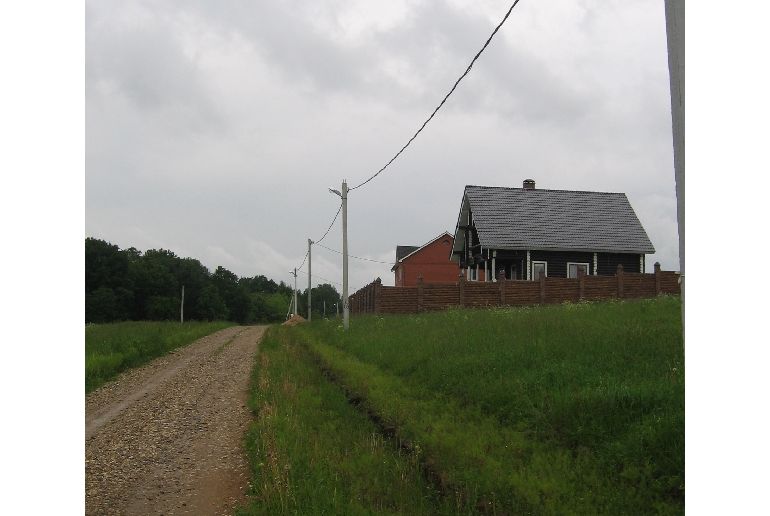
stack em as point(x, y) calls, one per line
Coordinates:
point(403, 250)
point(515, 218)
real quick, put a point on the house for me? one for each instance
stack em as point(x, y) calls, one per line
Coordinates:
point(525, 232)
point(430, 261)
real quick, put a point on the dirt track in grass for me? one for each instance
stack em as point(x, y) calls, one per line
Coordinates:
point(167, 438)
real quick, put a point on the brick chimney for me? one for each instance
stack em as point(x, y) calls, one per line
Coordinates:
point(529, 184)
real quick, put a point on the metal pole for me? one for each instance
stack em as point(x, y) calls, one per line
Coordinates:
point(675, 41)
point(309, 279)
point(181, 308)
point(345, 307)
point(295, 291)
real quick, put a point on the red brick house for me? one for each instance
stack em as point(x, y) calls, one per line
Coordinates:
point(431, 261)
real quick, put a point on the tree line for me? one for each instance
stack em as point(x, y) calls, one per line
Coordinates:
point(126, 284)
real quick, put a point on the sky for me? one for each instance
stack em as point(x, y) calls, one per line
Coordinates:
point(216, 129)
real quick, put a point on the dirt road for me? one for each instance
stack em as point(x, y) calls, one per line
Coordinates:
point(167, 438)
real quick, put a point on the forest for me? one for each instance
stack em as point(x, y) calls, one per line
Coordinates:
point(130, 285)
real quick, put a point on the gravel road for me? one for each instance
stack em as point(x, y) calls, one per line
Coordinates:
point(167, 438)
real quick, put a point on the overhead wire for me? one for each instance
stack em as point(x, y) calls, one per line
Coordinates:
point(444, 100)
point(353, 256)
point(321, 277)
point(330, 225)
point(425, 123)
point(324, 236)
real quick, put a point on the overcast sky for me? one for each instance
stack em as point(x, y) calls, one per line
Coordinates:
point(215, 129)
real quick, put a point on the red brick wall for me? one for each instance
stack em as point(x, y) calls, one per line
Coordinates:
point(432, 262)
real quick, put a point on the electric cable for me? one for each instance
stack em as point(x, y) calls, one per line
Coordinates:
point(444, 100)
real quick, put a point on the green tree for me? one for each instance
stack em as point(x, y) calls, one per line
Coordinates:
point(101, 305)
point(321, 293)
point(210, 306)
point(235, 296)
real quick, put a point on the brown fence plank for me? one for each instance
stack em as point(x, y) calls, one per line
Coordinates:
point(376, 298)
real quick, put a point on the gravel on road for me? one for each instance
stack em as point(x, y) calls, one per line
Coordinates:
point(167, 438)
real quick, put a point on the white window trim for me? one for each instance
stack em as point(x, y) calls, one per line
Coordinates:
point(535, 262)
point(588, 267)
point(529, 267)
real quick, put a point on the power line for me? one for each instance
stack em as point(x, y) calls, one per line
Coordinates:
point(445, 98)
point(303, 261)
point(324, 235)
point(319, 277)
point(330, 226)
point(357, 257)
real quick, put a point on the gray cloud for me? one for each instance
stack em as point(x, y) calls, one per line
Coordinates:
point(215, 129)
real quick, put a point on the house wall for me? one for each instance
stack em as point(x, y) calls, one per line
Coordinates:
point(557, 261)
point(608, 263)
point(432, 262)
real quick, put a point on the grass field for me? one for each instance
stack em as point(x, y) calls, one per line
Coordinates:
point(568, 409)
point(113, 348)
point(313, 453)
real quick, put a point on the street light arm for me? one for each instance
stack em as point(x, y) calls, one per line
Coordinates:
point(332, 190)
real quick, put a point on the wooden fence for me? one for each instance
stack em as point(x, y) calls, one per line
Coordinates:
point(374, 298)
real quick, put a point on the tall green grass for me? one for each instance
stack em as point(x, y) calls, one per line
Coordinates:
point(311, 452)
point(576, 408)
point(113, 348)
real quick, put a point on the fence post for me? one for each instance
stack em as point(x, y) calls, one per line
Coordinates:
point(370, 299)
point(657, 278)
point(542, 289)
point(462, 289)
point(620, 280)
point(501, 283)
point(419, 293)
point(377, 293)
point(581, 283)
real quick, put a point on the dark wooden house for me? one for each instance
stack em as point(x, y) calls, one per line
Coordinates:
point(525, 232)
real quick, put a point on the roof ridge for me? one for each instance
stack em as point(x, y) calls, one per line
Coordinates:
point(543, 189)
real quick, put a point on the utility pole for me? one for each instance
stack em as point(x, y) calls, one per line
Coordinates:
point(295, 289)
point(309, 279)
point(675, 41)
point(181, 308)
point(345, 308)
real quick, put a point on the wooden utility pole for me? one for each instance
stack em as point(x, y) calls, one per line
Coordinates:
point(181, 308)
point(309, 279)
point(675, 40)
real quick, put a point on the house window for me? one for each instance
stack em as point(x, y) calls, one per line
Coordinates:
point(474, 273)
point(539, 268)
point(573, 268)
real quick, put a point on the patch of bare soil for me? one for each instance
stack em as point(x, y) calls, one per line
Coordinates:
point(294, 320)
point(167, 438)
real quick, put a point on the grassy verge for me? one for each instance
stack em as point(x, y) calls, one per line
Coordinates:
point(113, 348)
point(558, 409)
point(311, 452)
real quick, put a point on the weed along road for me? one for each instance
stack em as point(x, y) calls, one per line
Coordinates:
point(167, 438)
